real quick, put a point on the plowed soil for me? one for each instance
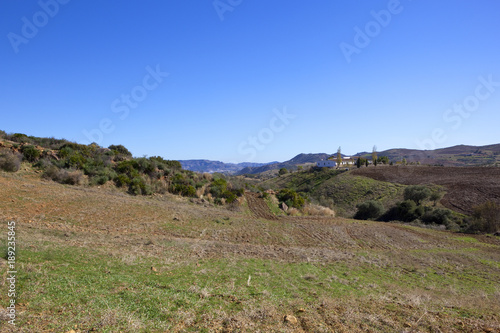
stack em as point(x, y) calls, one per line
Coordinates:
point(466, 187)
point(258, 206)
point(182, 233)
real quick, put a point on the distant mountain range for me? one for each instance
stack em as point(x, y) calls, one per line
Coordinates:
point(217, 166)
point(460, 155)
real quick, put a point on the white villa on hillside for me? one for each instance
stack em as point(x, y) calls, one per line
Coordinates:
point(332, 163)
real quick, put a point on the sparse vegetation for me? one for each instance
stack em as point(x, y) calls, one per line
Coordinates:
point(9, 161)
point(436, 196)
point(64, 176)
point(30, 153)
point(291, 198)
point(417, 193)
point(76, 164)
point(486, 218)
point(97, 261)
point(369, 210)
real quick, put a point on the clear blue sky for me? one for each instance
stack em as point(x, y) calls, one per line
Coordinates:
point(348, 73)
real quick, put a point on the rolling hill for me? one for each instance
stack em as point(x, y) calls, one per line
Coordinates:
point(97, 260)
point(460, 155)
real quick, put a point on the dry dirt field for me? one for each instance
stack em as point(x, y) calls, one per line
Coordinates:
point(466, 187)
point(98, 260)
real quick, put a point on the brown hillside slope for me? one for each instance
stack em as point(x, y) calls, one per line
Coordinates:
point(165, 264)
point(466, 187)
point(258, 206)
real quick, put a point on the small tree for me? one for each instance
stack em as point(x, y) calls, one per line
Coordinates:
point(30, 153)
point(403, 161)
point(366, 163)
point(383, 159)
point(369, 210)
point(358, 162)
point(282, 171)
point(417, 193)
point(406, 211)
point(120, 149)
point(436, 196)
point(339, 156)
point(374, 155)
point(290, 198)
point(487, 217)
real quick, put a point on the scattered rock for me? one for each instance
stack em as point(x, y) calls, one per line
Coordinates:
point(284, 206)
point(290, 319)
point(176, 218)
point(154, 269)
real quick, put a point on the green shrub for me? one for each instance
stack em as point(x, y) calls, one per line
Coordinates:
point(122, 180)
point(189, 191)
point(405, 211)
point(291, 198)
point(184, 190)
point(65, 152)
point(10, 161)
point(163, 164)
point(2, 134)
point(230, 197)
point(218, 187)
point(383, 160)
point(129, 168)
point(417, 193)
point(437, 216)
point(174, 165)
point(138, 186)
point(30, 153)
point(102, 176)
point(436, 196)
point(485, 218)
point(369, 210)
point(43, 163)
point(120, 149)
point(19, 138)
point(76, 160)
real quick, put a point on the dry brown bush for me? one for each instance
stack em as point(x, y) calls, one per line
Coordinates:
point(10, 161)
point(317, 210)
point(63, 176)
